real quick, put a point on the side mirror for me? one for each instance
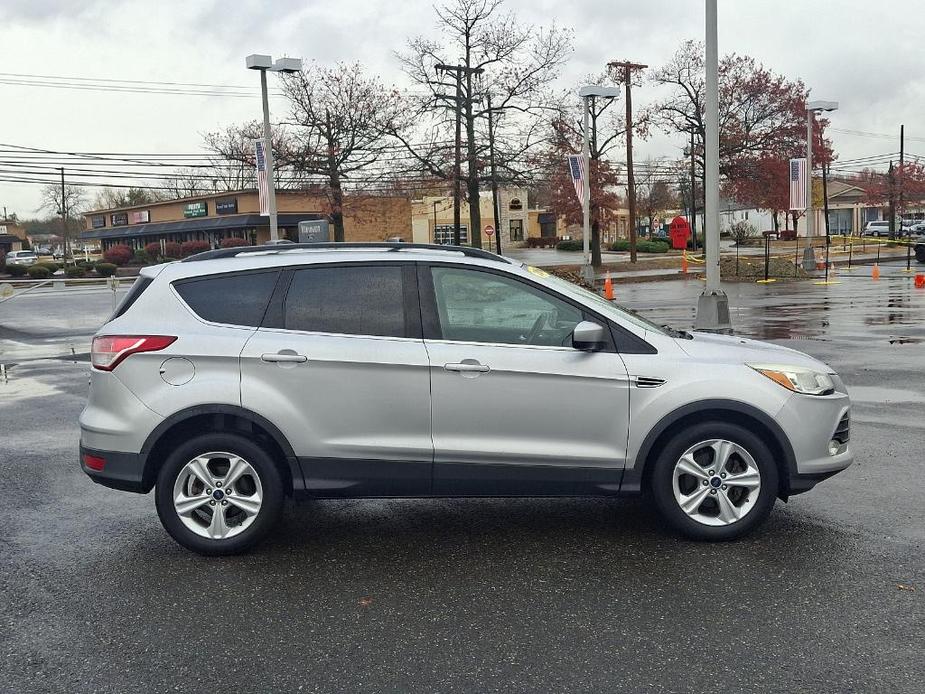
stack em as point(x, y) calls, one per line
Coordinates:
point(588, 336)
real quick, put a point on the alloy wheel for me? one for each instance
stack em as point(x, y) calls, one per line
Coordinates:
point(716, 482)
point(217, 495)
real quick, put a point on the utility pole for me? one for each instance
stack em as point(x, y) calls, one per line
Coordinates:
point(457, 232)
point(902, 175)
point(494, 178)
point(628, 69)
point(457, 161)
point(713, 304)
point(63, 212)
point(891, 178)
point(475, 235)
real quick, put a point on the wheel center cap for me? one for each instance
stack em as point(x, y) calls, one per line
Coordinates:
point(715, 482)
point(218, 495)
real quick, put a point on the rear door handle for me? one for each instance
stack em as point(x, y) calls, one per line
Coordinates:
point(467, 367)
point(284, 357)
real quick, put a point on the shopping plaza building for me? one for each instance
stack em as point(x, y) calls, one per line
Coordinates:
point(214, 217)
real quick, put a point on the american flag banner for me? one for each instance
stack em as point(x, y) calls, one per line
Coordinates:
point(263, 192)
point(798, 184)
point(576, 168)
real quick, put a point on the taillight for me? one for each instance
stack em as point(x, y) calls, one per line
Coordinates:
point(94, 462)
point(108, 351)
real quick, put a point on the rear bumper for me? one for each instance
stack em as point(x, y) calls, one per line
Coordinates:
point(122, 471)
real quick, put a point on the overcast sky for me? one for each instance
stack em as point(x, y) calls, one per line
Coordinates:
point(867, 56)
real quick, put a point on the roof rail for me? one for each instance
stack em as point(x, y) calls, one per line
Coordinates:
point(384, 245)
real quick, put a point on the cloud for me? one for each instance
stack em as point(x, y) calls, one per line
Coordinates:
point(871, 63)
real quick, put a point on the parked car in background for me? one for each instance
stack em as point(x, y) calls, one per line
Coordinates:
point(235, 378)
point(277, 242)
point(25, 258)
point(880, 228)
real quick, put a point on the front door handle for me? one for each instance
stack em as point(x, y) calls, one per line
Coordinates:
point(286, 357)
point(469, 366)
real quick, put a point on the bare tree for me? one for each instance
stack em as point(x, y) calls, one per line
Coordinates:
point(67, 201)
point(656, 189)
point(233, 165)
point(340, 117)
point(108, 198)
point(484, 53)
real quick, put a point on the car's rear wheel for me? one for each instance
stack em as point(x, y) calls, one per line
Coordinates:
point(715, 481)
point(218, 494)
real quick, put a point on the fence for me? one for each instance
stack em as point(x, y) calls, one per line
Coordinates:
point(784, 259)
point(13, 289)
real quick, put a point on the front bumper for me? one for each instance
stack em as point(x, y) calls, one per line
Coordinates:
point(122, 471)
point(818, 428)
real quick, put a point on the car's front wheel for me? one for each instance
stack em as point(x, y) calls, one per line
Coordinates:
point(715, 481)
point(218, 494)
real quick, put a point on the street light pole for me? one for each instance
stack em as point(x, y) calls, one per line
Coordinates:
point(809, 253)
point(587, 270)
point(587, 93)
point(268, 154)
point(713, 304)
point(284, 65)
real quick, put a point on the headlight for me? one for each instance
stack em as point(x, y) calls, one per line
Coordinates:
point(797, 378)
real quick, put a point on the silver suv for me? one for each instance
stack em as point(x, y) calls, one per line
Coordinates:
point(239, 377)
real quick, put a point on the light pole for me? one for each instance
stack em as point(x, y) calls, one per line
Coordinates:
point(285, 65)
point(809, 253)
point(713, 304)
point(589, 92)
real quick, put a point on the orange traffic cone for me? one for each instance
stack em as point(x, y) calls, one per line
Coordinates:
point(608, 288)
point(875, 273)
point(684, 261)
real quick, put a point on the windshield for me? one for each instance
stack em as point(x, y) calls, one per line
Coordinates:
point(606, 307)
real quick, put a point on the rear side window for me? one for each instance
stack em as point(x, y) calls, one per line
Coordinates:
point(356, 300)
point(132, 295)
point(239, 299)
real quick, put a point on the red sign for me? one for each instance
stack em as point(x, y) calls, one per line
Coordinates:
point(680, 231)
point(489, 230)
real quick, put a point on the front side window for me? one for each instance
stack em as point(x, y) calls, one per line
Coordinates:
point(238, 299)
point(476, 306)
point(357, 300)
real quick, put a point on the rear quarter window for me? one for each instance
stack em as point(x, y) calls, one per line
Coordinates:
point(238, 299)
point(131, 296)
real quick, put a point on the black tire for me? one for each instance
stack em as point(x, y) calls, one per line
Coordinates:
point(663, 471)
point(270, 480)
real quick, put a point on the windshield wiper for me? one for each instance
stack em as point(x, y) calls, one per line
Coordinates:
point(680, 334)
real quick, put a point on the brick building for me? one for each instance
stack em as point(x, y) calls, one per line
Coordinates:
point(433, 218)
point(214, 217)
point(11, 236)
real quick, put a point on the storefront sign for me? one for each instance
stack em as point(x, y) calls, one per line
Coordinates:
point(98, 221)
point(226, 206)
point(195, 209)
point(314, 231)
point(120, 219)
point(141, 217)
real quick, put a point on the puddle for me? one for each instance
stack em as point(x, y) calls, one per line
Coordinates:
point(17, 387)
point(878, 394)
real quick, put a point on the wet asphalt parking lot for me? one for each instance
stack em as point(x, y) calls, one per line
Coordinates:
point(478, 595)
